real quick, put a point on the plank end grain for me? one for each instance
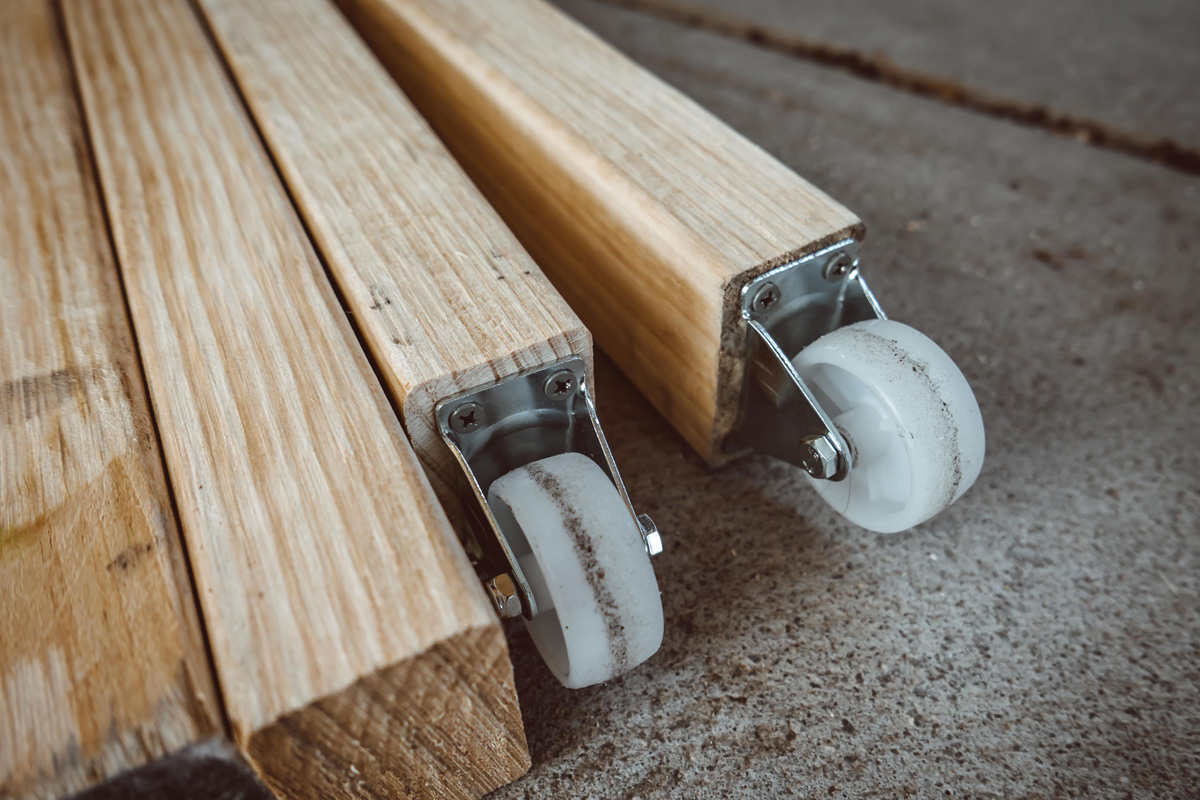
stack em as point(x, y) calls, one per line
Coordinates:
point(646, 212)
point(438, 725)
point(102, 661)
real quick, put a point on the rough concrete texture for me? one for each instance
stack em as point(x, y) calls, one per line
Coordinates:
point(1039, 639)
point(1132, 65)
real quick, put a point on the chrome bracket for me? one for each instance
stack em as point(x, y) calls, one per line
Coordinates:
point(497, 428)
point(787, 309)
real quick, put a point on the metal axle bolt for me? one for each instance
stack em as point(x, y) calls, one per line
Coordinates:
point(561, 385)
point(766, 297)
point(466, 418)
point(818, 457)
point(503, 593)
point(650, 534)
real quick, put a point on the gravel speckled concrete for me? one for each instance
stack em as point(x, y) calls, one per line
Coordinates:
point(1040, 639)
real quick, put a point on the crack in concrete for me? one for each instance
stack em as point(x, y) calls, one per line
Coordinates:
point(878, 69)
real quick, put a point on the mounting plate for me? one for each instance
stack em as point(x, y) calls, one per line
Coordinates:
point(787, 309)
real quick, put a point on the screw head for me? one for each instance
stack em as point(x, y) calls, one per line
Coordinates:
point(765, 297)
point(561, 385)
point(466, 418)
point(837, 266)
point(650, 534)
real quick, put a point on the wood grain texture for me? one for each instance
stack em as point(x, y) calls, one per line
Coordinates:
point(646, 212)
point(102, 662)
point(321, 557)
point(444, 295)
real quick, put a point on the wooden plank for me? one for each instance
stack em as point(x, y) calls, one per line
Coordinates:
point(1050, 649)
point(102, 662)
point(646, 212)
point(357, 654)
point(444, 295)
point(1131, 69)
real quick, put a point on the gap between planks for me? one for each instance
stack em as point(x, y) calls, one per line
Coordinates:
point(60, 32)
point(355, 324)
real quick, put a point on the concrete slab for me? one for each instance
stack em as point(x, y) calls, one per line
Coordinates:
point(1042, 638)
point(1131, 67)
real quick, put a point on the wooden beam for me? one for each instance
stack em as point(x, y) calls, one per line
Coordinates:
point(102, 662)
point(444, 295)
point(647, 212)
point(356, 652)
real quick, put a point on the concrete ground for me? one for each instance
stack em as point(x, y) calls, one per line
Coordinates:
point(1128, 65)
point(1039, 639)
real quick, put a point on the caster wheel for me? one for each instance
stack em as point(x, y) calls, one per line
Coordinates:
point(599, 611)
point(908, 415)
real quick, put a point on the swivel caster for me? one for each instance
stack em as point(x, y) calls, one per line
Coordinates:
point(599, 612)
point(553, 533)
point(879, 416)
point(907, 415)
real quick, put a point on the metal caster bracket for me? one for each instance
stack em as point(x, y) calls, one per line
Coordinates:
point(497, 428)
point(787, 309)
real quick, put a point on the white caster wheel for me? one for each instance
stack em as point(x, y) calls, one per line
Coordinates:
point(908, 415)
point(582, 552)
